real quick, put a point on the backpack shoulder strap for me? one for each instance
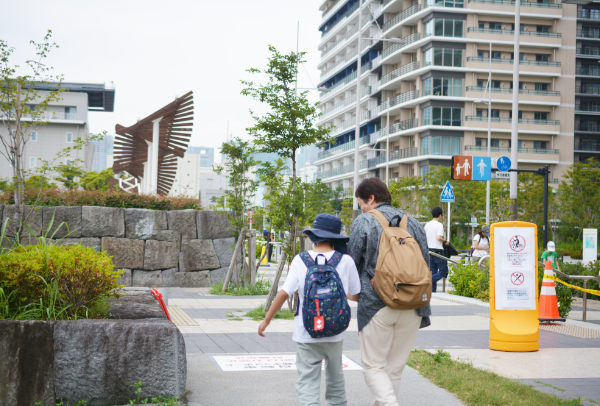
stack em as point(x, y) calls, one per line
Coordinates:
point(307, 259)
point(404, 222)
point(335, 259)
point(380, 217)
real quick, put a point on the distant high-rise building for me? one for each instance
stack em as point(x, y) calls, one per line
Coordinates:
point(207, 155)
point(102, 150)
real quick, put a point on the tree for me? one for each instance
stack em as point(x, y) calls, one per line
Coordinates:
point(97, 180)
point(580, 195)
point(69, 174)
point(346, 215)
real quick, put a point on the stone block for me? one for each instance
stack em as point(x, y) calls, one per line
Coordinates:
point(170, 236)
point(98, 360)
point(212, 224)
point(135, 305)
point(66, 241)
point(126, 253)
point(218, 275)
point(160, 255)
point(183, 221)
point(92, 242)
point(199, 279)
point(143, 224)
point(32, 216)
point(102, 222)
point(69, 215)
point(27, 362)
point(126, 278)
point(224, 250)
point(149, 279)
point(198, 255)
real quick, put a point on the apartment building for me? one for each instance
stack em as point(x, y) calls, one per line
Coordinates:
point(103, 153)
point(421, 99)
point(207, 155)
point(67, 121)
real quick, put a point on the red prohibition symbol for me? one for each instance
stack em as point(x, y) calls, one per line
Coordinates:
point(517, 278)
point(517, 243)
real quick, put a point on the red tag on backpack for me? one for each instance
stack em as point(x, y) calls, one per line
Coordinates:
point(319, 321)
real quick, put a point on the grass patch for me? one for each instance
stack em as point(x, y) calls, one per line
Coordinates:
point(259, 314)
point(477, 387)
point(261, 288)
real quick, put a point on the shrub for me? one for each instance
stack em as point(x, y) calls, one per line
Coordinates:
point(470, 281)
point(74, 278)
point(64, 197)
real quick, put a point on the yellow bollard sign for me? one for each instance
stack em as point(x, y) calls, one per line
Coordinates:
point(514, 324)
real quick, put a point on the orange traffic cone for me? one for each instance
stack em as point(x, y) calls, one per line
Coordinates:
point(548, 302)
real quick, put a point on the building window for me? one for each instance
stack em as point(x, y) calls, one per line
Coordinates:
point(480, 54)
point(512, 56)
point(203, 152)
point(424, 170)
point(448, 116)
point(443, 27)
point(496, 55)
point(442, 87)
point(445, 3)
point(479, 113)
point(70, 113)
point(481, 26)
point(520, 114)
point(69, 138)
point(495, 142)
point(520, 85)
point(33, 137)
point(440, 146)
point(541, 58)
point(495, 84)
point(522, 27)
point(495, 26)
point(540, 116)
point(542, 28)
point(541, 87)
point(68, 161)
point(478, 142)
point(443, 57)
point(495, 113)
point(32, 162)
point(539, 144)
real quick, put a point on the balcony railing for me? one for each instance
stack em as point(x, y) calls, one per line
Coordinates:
point(329, 12)
point(588, 33)
point(507, 149)
point(50, 115)
point(343, 17)
point(403, 70)
point(395, 47)
point(401, 98)
point(592, 108)
point(523, 3)
point(342, 62)
point(394, 156)
point(343, 148)
point(346, 102)
point(365, 68)
point(401, 126)
point(521, 91)
point(511, 61)
point(402, 16)
point(337, 44)
point(587, 127)
point(512, 32)
point(509, 120)
point(335, 171)
point(351, 122)
point(587, 89)
point(588, 51)
point(588, 146)
point(589, 14)
point(589, 70)
point(445, 3)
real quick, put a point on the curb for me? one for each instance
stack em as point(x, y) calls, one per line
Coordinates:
point(469, 301)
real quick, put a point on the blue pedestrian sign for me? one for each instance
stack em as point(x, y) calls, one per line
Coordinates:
point(447, 195)
point(482, 168)
point(503, 164)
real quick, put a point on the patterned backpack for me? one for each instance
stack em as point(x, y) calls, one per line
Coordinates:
point(325, 310)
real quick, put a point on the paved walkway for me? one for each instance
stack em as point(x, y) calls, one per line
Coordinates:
point(460, 326)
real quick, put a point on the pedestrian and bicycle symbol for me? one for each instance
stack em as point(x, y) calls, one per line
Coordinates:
point(503, 163)
point(517, 243)
point(471, 167)
point(447, 194)
point(517, 278)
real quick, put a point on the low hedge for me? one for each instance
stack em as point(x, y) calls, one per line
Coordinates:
point(50, 282)
point(65, 197)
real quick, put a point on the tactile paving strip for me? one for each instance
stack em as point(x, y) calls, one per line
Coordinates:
point(566, 329)
point(179, 317)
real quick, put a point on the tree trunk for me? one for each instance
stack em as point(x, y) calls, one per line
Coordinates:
point(273, 290)
point(252, 256)
point(18, 171)
point(263, 256)
point(234, 259)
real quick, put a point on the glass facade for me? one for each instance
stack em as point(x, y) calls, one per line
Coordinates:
point(440, 145)
point(442, 87)
point(443, 57)
point(442, 27)
point(445, 3)
point(448, 116)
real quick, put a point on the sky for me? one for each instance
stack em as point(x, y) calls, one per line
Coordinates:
point(154, 51)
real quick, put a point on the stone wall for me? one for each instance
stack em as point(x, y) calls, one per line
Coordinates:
point(181, 248)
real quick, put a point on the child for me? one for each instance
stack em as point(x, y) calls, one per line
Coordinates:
point(325, 234)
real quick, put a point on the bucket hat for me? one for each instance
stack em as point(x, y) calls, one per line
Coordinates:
point(326, 227)
point(486, 231)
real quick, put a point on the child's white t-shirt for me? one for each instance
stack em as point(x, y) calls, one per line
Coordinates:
point(294, 281)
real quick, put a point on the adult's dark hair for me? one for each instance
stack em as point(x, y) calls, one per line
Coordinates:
point(373, 186)
point(482, 235)
point(436, 212)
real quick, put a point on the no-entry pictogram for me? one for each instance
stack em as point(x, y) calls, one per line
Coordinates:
point(517, 243)
point(517, 278)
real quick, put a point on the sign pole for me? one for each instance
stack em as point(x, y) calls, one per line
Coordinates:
point(448, 231)
point(545, 206)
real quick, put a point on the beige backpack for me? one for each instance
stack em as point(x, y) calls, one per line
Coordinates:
point(402, 278)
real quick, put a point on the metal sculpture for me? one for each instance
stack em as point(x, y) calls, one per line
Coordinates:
point(148, 150)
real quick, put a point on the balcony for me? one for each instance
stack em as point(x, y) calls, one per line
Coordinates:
point(401, 126)
point(342, 18)
point(588, 146)
point(588, 52)
point(396, 73)
point(509, 120)
point(50, 115)
point(401, 98)
point(588, 71)
point(394, 156)
point(338, 44)
point(336, 86)
point(351, 122)
point(349, 146)
point(329, 12)
point(521, 91)
point(402, 16)
point(521, 150)
point(409, 39)
point(512, 32)
point(587, 90)
point(336, 171)
point(588, 33)
point(588, 127)
point(365, 91)
point(589, 14)
point(587, 108)
point(511, 61)
point(523, 3)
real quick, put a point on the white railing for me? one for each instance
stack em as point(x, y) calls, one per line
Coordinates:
point(344, 103)
point(50, 115)
point(338, 44)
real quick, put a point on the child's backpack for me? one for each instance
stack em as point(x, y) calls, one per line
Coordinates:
point(325, 311)
point(402, 278)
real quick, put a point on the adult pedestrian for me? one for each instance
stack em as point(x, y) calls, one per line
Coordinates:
point(481, 244)
point(435, 241)
point(386, 335)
